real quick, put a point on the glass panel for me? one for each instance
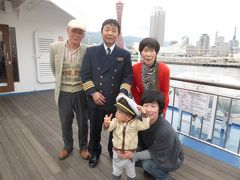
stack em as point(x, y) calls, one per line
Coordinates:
point(3, 75)
point(13, 50)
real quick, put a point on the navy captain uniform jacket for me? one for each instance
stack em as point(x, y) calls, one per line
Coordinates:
point(107, 74)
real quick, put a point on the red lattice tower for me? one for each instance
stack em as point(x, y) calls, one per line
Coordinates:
point(119, 8)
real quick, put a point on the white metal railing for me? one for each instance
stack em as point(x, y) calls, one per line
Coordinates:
point(208, 112)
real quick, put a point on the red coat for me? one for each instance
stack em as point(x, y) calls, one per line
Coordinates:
point(163, 82)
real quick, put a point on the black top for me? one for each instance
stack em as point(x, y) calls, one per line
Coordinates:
point(163, 144)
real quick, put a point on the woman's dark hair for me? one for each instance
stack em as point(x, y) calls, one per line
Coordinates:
point(150, 96)
point(150, 43)
point(112, 22)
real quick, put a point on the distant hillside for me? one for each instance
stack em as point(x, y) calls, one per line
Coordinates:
point(129, 40)
point(96, 38)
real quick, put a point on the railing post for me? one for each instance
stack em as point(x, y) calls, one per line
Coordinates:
point(200, 134)
point(173, 105)
point(238, 151)
point(190, 127)
point(180, 114)
point(227, 124)
point(212, 119)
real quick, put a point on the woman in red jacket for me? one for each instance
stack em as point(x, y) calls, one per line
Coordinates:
point(150, 73)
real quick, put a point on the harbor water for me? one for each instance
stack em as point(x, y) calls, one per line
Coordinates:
point(193, 71)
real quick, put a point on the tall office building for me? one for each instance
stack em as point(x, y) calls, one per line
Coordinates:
point(157, 24)
point(203, 44)
point(119, 8)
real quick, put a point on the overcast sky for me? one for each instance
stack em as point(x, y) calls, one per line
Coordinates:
point(183, 17)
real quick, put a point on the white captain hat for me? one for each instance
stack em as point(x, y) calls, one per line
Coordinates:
point(127, 105)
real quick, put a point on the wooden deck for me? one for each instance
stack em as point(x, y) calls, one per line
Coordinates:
point(30, 138)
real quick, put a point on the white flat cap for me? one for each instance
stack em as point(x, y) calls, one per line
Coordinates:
point(77, 24)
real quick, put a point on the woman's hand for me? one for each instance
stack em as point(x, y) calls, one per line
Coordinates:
point(125, 154)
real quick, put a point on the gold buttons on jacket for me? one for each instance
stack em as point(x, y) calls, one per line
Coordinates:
point(100, 84)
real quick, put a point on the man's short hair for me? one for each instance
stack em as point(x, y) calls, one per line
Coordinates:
point(151, 96)
point(111, 22)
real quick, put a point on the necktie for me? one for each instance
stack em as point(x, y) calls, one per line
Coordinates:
point(108, 51)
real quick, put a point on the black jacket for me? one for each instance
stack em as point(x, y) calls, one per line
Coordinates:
point(108, 74)
point(163, 144)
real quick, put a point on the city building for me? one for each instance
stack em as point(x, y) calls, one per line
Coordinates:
point(218, 40)
point(234, 43)
point(203, 44)
point(220, 48)
point(119, 9)
point(157, 24)
point(191, 50)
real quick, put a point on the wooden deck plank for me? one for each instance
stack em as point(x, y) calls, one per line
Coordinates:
point(31, 150)
point(9, 107)
point(54, 132)
point(220, 166)
point(5, 169)
point(52, 140)
point(4, 112)
point(50, 143)
point(188, 173)
point(54, 168)
point(15, 165)
point(177, 175)
point(210, 171)
point(83, 172)
point(13, 134)
point(199, 171)
point(14, 108)
point(20, 105)
point(52, 177)
point(52, 124)
point(26, 102)
point(62, 176)
point(71, 173)
point(30, 138)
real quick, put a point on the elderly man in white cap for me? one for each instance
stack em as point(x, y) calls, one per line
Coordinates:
point(66, 63)
point(125, 137)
